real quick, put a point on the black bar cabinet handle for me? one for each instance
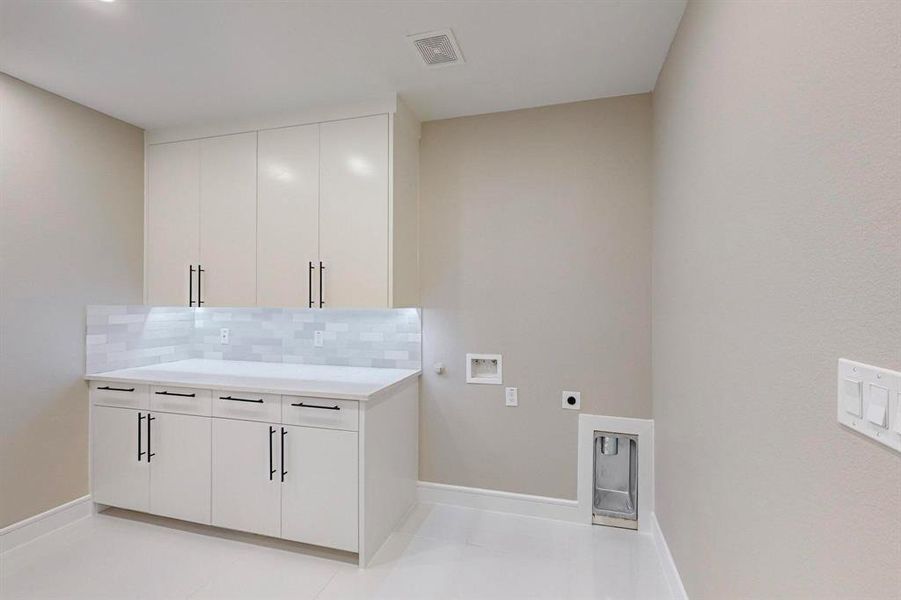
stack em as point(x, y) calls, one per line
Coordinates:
point(190, 285)
point(233, 399)
point(112, 389)
point(310, 284)
point(301, 404)
point(271, 470)
point(149, 453)
point(284, 433)
point(200, 272)
point(140, 452)
point(321, 269)
point(165, 393)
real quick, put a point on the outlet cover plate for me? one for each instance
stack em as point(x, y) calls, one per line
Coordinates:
point(511, 396)
point(575, 404)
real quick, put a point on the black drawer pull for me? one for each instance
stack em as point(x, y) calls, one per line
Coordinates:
point(233, 399)
point(302, 405)
point(112, 389)
point(164, 393)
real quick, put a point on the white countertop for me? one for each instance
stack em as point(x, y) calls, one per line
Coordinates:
point(318, 381)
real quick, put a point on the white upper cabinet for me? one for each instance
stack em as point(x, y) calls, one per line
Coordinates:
point(353, 209)
point(228, 214)
point(173, 221)
point(288, 216)
point(319, 215)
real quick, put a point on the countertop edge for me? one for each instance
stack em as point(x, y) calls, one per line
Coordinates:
point(262, 389)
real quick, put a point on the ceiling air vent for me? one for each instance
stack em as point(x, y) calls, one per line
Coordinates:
point(437, 48)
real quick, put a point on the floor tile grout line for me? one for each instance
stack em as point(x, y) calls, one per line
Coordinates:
point(327, 583)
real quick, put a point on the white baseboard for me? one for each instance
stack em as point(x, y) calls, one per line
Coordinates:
point(34, 527)
point(673, 579)
point(509, 502)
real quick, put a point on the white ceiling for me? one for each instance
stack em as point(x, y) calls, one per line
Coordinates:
point(170, 63)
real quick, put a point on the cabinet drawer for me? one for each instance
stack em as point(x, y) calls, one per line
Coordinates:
point(320, 412)
point(124, 395)
point(247, 405)
point(188, 401)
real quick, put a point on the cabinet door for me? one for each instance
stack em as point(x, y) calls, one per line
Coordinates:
point(320, 497)
point(120, 472)
point(246, 493)
point(353, 212)
point(288, 216)
point(173, 220)
point(228, 215)
point(180, 466)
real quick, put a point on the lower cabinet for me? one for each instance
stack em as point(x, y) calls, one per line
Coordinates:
point(180, 466)
point(319, 493)
point(120, 471)
point(298, 482)
point(246, 488)
point(152, 462)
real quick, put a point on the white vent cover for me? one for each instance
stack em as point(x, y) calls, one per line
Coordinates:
point(437, 48)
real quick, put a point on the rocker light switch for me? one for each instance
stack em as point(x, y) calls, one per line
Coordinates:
point(852, 399)
point(878, 405)
point(897, 421)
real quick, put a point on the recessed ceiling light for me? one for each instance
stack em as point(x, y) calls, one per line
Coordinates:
point(107, 1)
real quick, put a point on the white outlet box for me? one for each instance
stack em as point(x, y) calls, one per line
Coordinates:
point(484, 368)
point(317, 339)
point(869, 401)
point(511, 396)
point(572, 400)
point(224, 335)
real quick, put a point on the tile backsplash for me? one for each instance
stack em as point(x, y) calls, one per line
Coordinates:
point(120, 337)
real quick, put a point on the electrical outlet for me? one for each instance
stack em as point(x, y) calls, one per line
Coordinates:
point(572, 400)
point(512, 397)
point(317, 339)
point(224, 335)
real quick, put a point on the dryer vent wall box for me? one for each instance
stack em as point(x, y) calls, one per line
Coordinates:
point(484, 368)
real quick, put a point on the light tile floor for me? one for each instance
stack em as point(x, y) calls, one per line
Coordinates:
point(438, 552)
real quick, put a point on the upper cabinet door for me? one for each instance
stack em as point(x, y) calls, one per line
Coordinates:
point(288, 212)
point(353, 212)
point(173, 220)
point(228, 216)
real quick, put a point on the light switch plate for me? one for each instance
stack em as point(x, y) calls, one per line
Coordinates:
point(878, 387)
point(511, 396)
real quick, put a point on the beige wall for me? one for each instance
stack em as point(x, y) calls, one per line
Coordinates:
point(71, 215)
point(535, 243)
point(777, 249)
